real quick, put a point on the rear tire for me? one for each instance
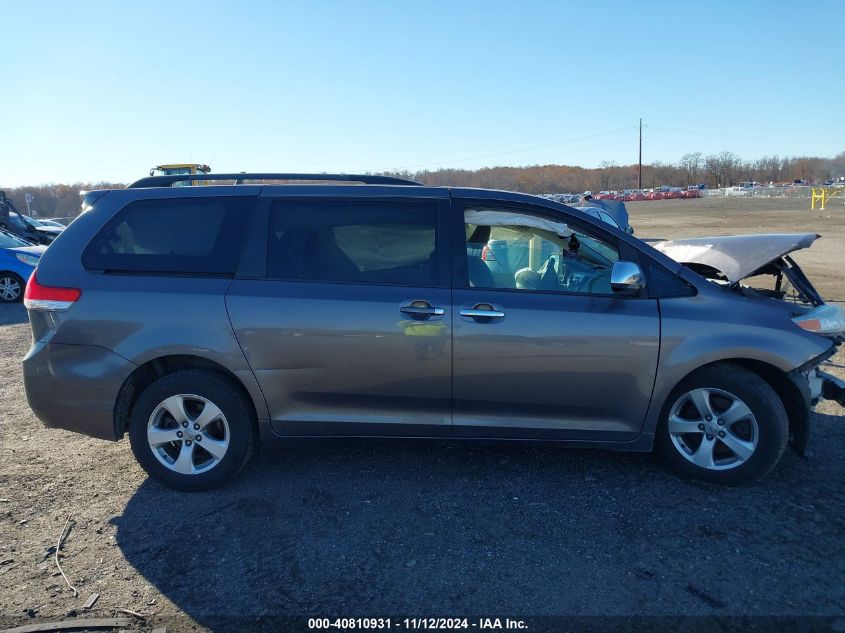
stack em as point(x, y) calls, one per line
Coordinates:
point(12, 287)
point(192, 430)
point(723, 424)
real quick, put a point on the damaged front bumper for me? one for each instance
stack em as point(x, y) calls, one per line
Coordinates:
point(827, 386)
point(812, 385)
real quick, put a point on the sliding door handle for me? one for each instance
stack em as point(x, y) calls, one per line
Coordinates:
point(424, 311)
point(482, 312)
point(421, 309)
point(487, 314)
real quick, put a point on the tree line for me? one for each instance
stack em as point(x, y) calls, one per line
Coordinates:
point(725, 169)
point(52, 200)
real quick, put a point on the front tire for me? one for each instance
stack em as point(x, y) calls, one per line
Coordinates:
point(192, 430)
point(724, 424)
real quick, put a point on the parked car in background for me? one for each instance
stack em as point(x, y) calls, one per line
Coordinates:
point(66, 220)
point(616, 209)
point(30, 229)
point(18, 258)
point(599, 214)
point(50, 222)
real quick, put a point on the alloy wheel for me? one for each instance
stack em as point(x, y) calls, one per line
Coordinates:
point(188, 434)
point(713, 429)
point(10, 289)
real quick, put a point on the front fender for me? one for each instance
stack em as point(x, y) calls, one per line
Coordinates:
point(721, 326)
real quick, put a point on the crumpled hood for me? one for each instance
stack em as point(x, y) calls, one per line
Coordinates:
point(735, 256)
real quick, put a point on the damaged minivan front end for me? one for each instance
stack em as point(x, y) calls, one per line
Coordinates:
point(760, 266)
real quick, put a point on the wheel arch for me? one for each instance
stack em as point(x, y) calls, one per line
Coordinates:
point(787, 386)
point(150, 371)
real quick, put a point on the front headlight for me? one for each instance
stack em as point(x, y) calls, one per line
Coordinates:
point(29, 260)
point(827, 320)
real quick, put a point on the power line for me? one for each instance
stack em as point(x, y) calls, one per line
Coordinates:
point(516, 151)
point(741, 136)
point(719, 145)
point(578, 150)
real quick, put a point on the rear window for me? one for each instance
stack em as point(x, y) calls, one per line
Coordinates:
point(182, 235)
point(353, 242)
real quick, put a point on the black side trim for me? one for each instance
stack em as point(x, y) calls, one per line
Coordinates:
point(354, 429)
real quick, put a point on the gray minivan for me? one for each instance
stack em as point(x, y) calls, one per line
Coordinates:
point(203, 320)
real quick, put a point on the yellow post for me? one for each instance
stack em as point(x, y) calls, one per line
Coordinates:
point(823, 195)
point(820, 195)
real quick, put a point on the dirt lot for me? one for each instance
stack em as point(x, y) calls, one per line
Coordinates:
point(412, 531)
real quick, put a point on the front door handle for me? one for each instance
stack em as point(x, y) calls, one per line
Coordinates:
point(482, 312)
point(421, 309)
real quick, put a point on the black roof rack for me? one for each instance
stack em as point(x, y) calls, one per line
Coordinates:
point(168, 181)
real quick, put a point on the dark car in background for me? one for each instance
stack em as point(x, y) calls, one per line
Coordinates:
point(30, 229)
point(203, 320)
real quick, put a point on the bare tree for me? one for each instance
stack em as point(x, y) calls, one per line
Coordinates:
point(691, 164)
point(729, 166)
point(714, 170)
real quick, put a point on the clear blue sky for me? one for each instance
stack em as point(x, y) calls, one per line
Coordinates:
point(105, 90)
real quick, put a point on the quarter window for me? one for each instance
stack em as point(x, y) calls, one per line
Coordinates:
point(353, 242)
point(182, 235)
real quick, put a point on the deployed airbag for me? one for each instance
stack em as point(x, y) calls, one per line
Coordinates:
point(497, 217)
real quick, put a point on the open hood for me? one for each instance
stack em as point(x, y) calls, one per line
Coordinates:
point(735, 256)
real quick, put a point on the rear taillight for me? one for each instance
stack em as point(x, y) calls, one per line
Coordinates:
point(487, 255)
point(38, 297)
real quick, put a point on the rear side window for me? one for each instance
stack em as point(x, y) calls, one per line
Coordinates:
point(181, 235)
point(353, 242)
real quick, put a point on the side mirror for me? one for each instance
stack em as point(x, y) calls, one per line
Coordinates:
point(627, 278)
point(630, 230)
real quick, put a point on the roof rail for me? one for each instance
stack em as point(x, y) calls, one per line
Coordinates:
point(168, 181)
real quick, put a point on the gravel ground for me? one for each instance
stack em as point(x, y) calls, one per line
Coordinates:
point(410, 530)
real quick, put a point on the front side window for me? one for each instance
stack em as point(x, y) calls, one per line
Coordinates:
point(353, 242)
point(517, 251)
point(182, 235)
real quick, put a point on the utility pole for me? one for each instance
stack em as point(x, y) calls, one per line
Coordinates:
point(640, 176)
